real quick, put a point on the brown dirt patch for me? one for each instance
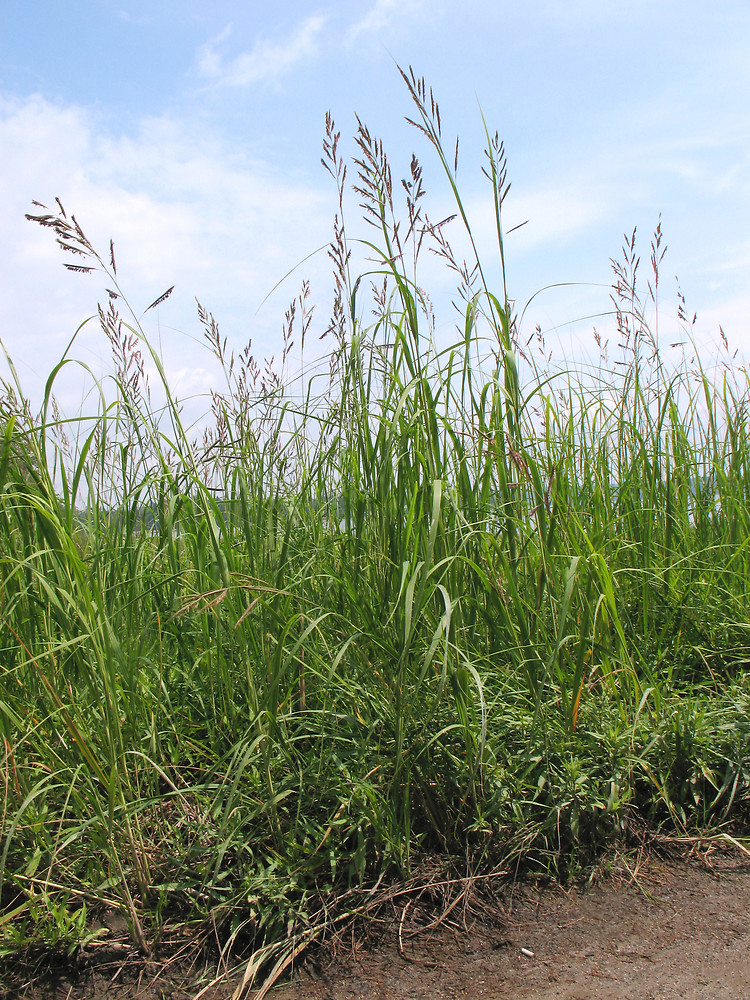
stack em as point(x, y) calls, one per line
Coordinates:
point(651, 930)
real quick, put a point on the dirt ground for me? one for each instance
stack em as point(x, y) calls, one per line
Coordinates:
point(650, 929)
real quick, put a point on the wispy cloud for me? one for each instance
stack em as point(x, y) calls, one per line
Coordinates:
point(383, 14)
point(576, 12)
point(141, 20)
point(266, 62)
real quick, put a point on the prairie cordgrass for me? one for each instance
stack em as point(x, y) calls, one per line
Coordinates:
point(447, 602)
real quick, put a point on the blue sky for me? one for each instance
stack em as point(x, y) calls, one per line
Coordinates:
point(190, 133)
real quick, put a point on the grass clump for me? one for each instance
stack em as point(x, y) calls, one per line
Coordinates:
point(446, 602)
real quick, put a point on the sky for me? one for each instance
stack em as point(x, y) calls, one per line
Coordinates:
point(190, 133)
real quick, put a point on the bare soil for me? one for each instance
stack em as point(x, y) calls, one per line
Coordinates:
point(648, 929)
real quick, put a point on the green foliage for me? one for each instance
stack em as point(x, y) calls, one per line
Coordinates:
point(442, 604)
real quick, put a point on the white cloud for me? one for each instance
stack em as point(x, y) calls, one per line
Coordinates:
point(182, 209)
point(209, 57)
point(266, 62)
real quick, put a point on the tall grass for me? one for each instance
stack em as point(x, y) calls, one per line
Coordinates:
point(440, 605)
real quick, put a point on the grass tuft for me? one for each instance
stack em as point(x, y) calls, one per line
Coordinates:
point(449, 602)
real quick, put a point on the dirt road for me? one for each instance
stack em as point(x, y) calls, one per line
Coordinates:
point(672, 931)
point(650, 930)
